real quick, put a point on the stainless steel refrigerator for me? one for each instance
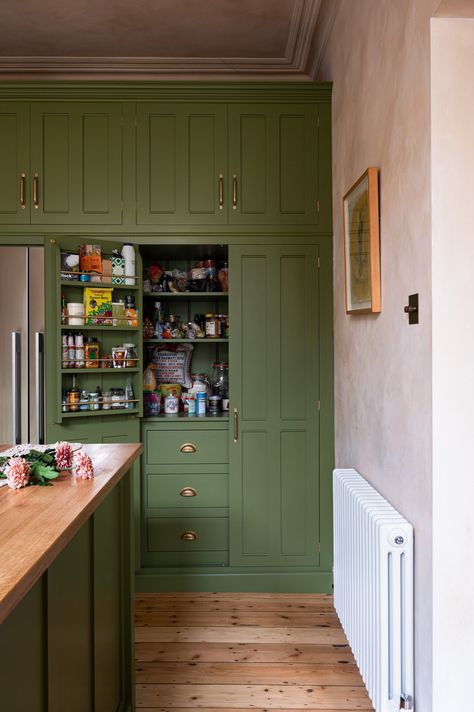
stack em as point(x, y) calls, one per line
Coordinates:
point(22, 345)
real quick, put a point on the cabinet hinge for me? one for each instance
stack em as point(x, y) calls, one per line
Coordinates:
point(317, 205)
point(318, 403)
point(319, 262)
point(317, 123)
point(319, 547)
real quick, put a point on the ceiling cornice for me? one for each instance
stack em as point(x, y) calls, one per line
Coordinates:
point(327, 16)
point(293, 66)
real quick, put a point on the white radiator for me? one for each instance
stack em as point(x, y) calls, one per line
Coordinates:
point(373, 588)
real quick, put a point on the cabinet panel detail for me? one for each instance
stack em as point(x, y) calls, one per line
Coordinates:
point(252, 185)
point(253, 338)
point(292, 164)
point(162, 164)
point(9, 174)
point(96, 162)
point(202, 185)
point(293, 329)
point(54, 180)
point(294, 493)
point(256, 487)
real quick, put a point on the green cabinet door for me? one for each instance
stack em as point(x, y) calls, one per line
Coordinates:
point(273, 164)
point(14, 163)
point(274, 448)
point(76, 163)
point(181, 164)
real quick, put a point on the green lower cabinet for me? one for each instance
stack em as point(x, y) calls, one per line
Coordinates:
point(68, 643)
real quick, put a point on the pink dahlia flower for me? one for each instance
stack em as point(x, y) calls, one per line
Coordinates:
point(17, 472)
point(83, 464)
point(63, 456)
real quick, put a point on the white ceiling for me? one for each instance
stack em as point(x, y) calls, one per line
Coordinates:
point(150, 39)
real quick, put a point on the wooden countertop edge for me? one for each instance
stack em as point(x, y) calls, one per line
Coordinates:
point(19, 590)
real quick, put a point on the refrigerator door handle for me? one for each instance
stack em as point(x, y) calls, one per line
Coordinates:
point(39, 351)
point(16, 387)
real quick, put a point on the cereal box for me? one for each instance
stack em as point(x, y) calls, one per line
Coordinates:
point(98, 305)
point(118, 270)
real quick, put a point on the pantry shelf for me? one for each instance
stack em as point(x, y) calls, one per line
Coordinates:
point(100, 370)
point(99, 285)
point(105, 413)
point(185, 341)
point(202, 296)
point(98, 327)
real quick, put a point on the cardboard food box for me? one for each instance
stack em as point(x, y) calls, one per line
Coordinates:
point(98, 305)
point(118, 270)
point(106, 270)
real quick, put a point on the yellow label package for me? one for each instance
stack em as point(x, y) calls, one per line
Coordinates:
point(98, 305)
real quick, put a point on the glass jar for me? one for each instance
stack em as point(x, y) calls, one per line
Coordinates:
point(94, 401)
point(220, 380)
point(118, 398)
point(130, 356)
point(212, 326)
point(107, 400)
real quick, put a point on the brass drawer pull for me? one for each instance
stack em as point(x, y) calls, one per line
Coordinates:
point(188, 492)
point(189, 536)
point(188, 447)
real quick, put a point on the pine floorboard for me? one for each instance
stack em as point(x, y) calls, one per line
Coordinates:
point(243, 652)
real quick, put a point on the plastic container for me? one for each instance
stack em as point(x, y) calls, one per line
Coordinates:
point(171, 405)
point(128, 253)
point(76, 313)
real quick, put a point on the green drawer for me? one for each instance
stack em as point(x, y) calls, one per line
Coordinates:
point(188, 491)
point(186, 558)
point(166, 534)
point(188, 447)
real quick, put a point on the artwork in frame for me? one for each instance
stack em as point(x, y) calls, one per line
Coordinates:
point(362, 245)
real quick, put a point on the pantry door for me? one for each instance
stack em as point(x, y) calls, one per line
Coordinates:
point(274, 428)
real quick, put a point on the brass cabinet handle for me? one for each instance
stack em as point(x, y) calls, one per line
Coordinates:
point(188, 492)
point(221, 191)
point(234, 192)
point(189, 536)
point(236, 425)
point(188, 447)
point(35, 191)
point(22, 191)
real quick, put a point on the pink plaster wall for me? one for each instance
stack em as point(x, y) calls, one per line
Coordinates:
point(378, 56)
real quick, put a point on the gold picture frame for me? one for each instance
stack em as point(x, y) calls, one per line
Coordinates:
point(362, 245)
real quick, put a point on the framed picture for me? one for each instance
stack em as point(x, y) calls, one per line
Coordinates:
point(362, 245)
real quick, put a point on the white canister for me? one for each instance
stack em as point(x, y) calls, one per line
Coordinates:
point(128, 253)
point(171, 405)
point(76, 313)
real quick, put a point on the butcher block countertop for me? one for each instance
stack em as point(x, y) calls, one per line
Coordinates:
point(36, 523)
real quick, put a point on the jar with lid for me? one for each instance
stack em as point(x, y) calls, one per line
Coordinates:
point(107, 400)
point(73, 397)
point(84, 401)
point(220, 382)
point(94, 401)
point(212, 326)
point(118, 398)
point(130, 355)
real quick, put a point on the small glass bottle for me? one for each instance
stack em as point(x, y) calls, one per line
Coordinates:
point(64, 313)
point(71, 355)
point(84, 401)
point(92, 353)
point(107, 400)
point(73, 397)
point(79, 350)
point(64, 399)
point(129, 396)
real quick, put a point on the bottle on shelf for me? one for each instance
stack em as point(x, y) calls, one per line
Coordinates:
point(79, 350)
point(71, 351)
point(73, 397)
point(129, 397)
point(220, 383)
point(130, 311)
point(64, 312)
point(92, 353)
point(128, 253)
point(157, 321)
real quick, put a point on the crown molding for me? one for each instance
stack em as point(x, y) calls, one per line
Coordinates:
point(290, 67)
point(327, 16)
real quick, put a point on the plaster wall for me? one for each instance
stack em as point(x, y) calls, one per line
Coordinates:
point(378, 56)
point(453, 373)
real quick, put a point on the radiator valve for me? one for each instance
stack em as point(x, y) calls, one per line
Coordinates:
point(406, 702)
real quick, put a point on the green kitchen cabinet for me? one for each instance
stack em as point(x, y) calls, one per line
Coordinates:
point(274, 164)
point(181, 164)
point(76, 163)
point(14, 163)
point(102, 426)
point(274, 449)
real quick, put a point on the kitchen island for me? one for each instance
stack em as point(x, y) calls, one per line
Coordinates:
point(66, 584)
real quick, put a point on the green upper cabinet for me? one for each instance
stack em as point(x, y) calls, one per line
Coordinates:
point(76, 163)
point(274, 448)
point(14, 163)
point(181, 164)
point(273, 164)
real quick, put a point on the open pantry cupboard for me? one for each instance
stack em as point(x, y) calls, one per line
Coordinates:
point(229, 501)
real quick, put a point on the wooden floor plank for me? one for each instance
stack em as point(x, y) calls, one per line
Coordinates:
point(239, 634)
point(147, 602)
point(242, 652)
point(248, 674)
point(265, 619)
point(229, 709)
point(266, 696)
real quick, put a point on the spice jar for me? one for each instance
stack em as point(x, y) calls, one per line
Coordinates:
point(94, 401)
point(118, 398)
point(107, 400)
point(92, 353)
point(212, 326)
point(130, 355)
